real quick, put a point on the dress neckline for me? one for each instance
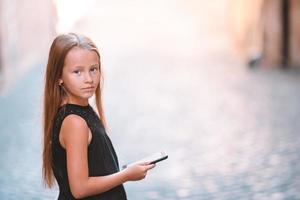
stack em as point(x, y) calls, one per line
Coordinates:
point(76, 105)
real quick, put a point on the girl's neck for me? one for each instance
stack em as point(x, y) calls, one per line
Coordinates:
point(83, 102)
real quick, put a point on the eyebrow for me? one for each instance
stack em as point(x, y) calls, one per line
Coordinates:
point(82, 67)
point(94, 65)
point(77, 67)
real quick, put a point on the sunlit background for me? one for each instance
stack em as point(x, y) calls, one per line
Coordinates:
point(215, 83)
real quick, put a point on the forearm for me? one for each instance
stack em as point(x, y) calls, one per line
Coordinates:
point(83, 187)
point(100, 184)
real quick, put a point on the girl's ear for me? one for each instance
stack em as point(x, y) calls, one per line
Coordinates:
point(60, 82)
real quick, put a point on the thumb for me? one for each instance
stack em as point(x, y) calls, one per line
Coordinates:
point(144, 163)
point(151, 166)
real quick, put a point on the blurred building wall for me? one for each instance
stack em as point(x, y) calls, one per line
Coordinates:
point(246, 26)
point(26, 30)
point(295, 33)
point(257, 29)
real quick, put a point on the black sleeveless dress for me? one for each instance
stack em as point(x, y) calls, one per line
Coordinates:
point(102, 158)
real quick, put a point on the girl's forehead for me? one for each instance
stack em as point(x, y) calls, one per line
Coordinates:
point(81, 56)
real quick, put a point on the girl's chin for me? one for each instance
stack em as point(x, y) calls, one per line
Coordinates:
point(88, 94)
point(84, 96)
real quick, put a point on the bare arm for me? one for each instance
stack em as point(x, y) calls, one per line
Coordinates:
point(74, 137)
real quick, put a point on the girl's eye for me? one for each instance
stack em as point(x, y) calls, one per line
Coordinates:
point(78, 72)
point(94, 69)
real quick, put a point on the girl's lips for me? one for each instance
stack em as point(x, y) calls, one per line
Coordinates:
point(88, 88)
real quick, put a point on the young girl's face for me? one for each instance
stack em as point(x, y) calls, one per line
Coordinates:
point(81, 75)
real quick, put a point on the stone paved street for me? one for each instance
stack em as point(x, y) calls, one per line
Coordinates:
point(171, 82)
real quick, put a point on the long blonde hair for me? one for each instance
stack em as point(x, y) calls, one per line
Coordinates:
point(53, 94)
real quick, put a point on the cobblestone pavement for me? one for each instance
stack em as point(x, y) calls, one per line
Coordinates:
point(231, 133)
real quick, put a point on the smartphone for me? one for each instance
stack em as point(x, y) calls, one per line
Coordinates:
point(154, 158)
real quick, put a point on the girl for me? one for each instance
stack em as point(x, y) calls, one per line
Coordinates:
point(77, 150)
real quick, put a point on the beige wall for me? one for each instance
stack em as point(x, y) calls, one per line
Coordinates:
point(245, 24)
point(27, 28)
point(272, 38)
point(295, 33)
point(256, 27)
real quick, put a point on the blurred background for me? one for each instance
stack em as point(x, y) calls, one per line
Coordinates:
point(215, 83)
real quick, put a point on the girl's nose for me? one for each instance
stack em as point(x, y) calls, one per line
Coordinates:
point(88, 78)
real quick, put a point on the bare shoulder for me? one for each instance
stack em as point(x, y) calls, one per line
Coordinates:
point(74, 129)
point(74, 122)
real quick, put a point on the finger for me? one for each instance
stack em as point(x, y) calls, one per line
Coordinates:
point(143, 163)
point(137, 163)
point(150, 166)
point(145, 175)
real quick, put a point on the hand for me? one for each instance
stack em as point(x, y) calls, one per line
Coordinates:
point(137, 171)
